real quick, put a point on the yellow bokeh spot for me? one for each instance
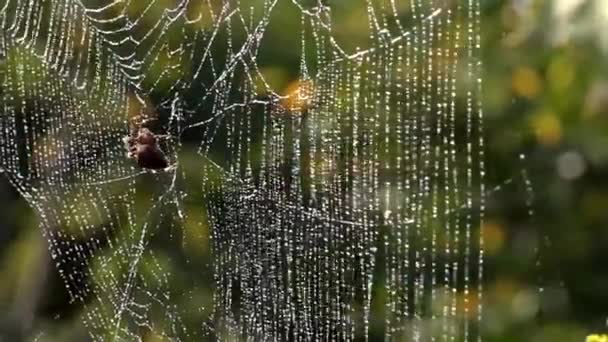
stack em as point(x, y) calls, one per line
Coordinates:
point(526, 82)
point(597, 338)
point(547, 128)
point(493, 236)
point(299, 95)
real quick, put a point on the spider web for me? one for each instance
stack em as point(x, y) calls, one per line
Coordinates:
point(347, 205)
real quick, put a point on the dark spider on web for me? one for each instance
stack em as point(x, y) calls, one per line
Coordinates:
point(142, 146)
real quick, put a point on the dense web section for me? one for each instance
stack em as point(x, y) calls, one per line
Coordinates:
point(347, 205)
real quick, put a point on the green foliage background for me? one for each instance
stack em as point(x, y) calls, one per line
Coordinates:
point(545, 97)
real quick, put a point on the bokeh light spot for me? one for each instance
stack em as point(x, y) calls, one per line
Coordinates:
point(571, 165)
point(525, 304)
point(547, 128)
point(526, 82)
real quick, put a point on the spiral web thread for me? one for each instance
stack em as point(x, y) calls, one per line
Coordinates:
point(349, 206)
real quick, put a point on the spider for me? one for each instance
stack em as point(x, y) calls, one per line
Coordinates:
point(142, 146)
